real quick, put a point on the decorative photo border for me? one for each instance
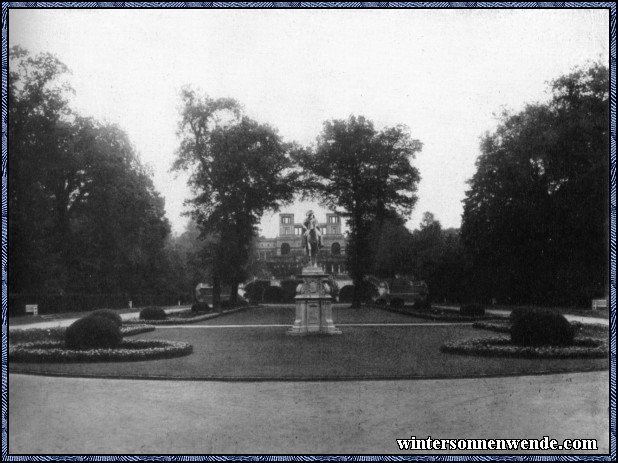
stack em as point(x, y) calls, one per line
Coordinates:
point(611, 8)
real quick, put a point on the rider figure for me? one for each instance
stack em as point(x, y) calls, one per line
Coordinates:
point(311, 223)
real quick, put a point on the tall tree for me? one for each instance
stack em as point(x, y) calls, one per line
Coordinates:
point(364, 175)
point(83, 212)
point(239, 168)
point(535, 217)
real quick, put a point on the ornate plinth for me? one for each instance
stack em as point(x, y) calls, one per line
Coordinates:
point(314, 314)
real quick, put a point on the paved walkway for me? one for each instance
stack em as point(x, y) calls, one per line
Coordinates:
point(82, 416)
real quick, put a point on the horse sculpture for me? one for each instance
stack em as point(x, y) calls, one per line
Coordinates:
point(313, 246)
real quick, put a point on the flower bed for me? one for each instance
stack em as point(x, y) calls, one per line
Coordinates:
point(582, 329)
point(57, 333)
point(502, 347)
point(186, 316)
point(129, 350)
point(438, 314)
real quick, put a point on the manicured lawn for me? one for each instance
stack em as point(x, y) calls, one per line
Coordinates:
point(360, 352)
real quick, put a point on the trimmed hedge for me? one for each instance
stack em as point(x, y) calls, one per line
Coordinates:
point(273, 294)
point(152, 313)
point(539, 327)
point(107, 313)
point(200, 307)
point(397, 302)
point(93, 332)
point(472, 310)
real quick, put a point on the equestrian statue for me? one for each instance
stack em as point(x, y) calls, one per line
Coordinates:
point(312, 238)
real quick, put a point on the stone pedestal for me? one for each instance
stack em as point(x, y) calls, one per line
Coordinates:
point(314, 314)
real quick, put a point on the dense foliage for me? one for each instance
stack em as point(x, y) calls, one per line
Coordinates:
point(238, 169)
point(366, 176)
point(152, 313)
point(84, 216)
point(93, 332)
point(535, 217)
point(541, 327)
point(109, 314)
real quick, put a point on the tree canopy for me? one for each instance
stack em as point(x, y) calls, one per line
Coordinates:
point(239, 169)
point(83, 211)
point(366, 176)
point(535, 216)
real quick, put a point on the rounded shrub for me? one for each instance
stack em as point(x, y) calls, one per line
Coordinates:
point(397, 302)
point(472, 310)
point(289, 290)
point(93, 332)
point(381, 301)
point(520, 312)
point(152, 313)
point(273, 294)
point(107, 313)
point(200, 307)
point(538, 327)
point(346, 294)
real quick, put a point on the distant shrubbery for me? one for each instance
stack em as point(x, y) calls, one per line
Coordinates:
point(273, 294)
point(93, 332)
point(472, 310)
point(109, 314)
point(200, 307)
point(536, 327)
point(397, 302)
point(152, 313)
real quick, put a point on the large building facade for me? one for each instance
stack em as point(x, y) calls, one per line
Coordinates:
point(284, 256)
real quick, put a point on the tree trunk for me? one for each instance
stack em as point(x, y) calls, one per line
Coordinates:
point(216, 292)
point(356, 270)
point(234, 293)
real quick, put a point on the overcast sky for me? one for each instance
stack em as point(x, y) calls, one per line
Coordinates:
point(443, 73)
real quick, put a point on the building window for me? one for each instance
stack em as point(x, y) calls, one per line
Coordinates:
point(298, 231)
point(286, 219)
point(285, 249)
point(333, 219)
point(286, 231)
point(335, 249)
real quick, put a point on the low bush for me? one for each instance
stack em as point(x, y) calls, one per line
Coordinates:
point(397, 302)
point(200, 307)
point(273, 294)
point(93, 332)
point(538, 327)
point(107, 313)
point(381, 301)
point(520, 312)
point(289, 290)
point(152, 313)
point(254, 291)
point(472, 310)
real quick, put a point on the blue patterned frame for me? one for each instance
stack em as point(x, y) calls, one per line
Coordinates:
point(612, 284)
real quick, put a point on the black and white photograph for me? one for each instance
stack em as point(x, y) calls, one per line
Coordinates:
point(289, 229)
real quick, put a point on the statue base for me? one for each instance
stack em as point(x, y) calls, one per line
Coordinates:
point(314, 314)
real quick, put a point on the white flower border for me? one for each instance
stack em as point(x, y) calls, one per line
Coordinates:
point(503, 347)
point(129, 350)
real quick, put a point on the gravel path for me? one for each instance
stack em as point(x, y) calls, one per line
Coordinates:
point(81, 416)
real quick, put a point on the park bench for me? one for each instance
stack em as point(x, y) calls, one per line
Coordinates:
point(599, 304)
